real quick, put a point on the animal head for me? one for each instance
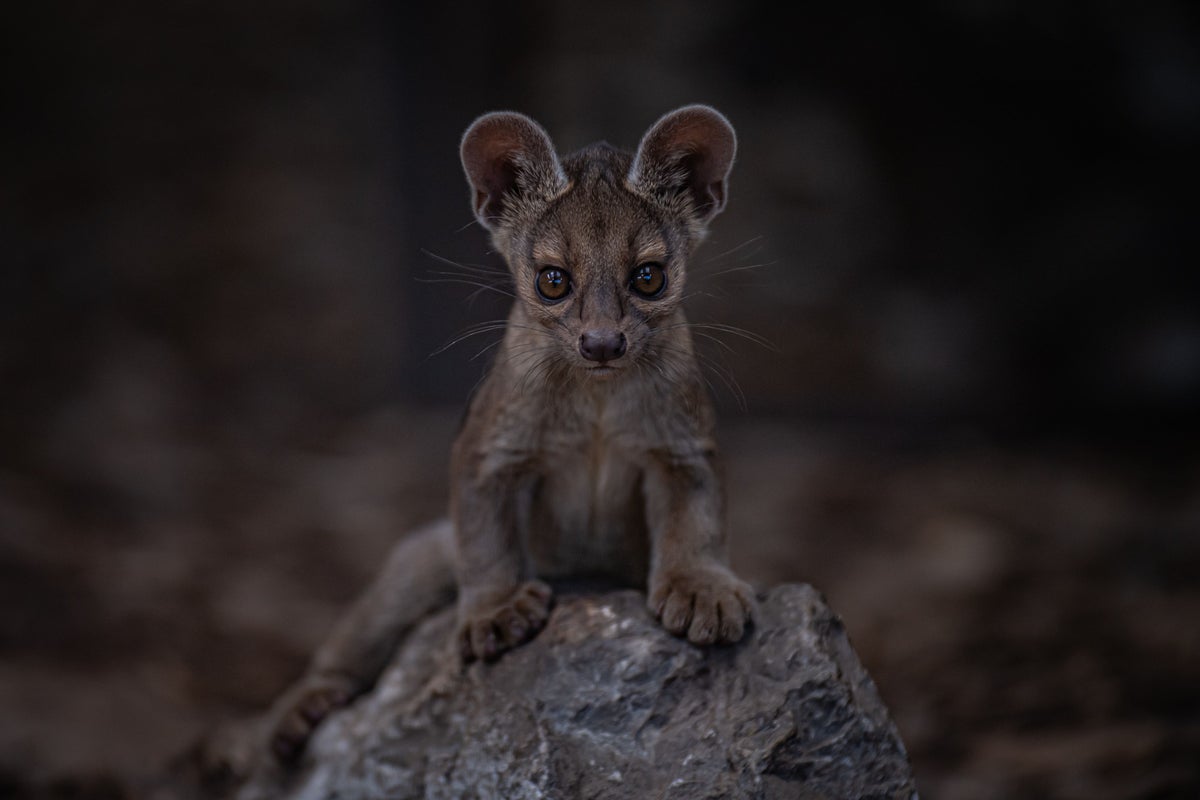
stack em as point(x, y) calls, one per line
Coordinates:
point(598, 242)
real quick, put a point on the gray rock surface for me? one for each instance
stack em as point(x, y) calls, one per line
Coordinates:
point(605, 704)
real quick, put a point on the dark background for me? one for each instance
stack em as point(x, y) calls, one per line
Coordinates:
point(969, 229)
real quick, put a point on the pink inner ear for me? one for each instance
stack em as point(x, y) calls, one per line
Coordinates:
point(497, 176)
point(489, 157)
point(499, 148)
point(488, 160)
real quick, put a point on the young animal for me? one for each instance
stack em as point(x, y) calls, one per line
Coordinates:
point(589, 446)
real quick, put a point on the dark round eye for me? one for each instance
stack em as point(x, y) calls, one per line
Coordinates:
point(649, 279)
point(553, 283)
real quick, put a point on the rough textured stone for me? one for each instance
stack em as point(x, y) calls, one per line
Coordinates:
point(604, 704)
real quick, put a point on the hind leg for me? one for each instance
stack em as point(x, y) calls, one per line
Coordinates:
point(417, 579)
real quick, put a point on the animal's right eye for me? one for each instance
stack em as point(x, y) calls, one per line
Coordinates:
point(553, 283)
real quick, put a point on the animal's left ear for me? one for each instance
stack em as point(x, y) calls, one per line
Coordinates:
point(687, 156)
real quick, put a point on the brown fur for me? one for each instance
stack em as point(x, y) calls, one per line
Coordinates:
point(562, 468)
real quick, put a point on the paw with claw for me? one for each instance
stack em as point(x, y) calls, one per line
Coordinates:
point(489, 632)
point(707, 604)
point(302, 709)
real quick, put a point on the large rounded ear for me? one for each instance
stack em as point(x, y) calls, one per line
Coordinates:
point(687, 154)
point(508, 158)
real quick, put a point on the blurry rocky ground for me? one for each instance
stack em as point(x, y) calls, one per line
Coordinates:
point(1029, 613)
point(969, 229)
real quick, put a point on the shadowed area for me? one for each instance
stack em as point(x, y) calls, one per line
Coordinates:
point(234, 236)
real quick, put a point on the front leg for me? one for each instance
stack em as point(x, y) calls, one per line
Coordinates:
point(692, 589)
point(500, 606)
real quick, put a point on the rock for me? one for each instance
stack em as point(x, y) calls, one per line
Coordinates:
point(605, 704)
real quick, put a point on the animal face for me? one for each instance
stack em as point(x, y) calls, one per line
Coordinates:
point(598, 243)
point(602, 266)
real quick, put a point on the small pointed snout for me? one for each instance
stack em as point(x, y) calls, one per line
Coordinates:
point(602, 345)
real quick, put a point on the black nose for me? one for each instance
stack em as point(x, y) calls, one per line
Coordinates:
point(602, 345)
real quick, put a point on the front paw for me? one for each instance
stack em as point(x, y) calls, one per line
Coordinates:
point(708, 604)
point(486, 633)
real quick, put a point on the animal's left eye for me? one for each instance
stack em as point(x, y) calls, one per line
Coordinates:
point(648, 279)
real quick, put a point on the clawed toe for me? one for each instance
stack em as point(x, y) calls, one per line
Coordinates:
point(708, 606)
point(486, 636)
point(303, 713)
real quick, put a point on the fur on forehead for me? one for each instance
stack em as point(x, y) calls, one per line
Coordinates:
point(600, 214)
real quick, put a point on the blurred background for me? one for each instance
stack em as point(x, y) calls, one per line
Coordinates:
point(969, 229)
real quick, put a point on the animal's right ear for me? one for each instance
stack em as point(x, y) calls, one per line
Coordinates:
point(508, 159)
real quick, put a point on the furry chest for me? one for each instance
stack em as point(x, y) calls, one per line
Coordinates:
point(588, 512)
